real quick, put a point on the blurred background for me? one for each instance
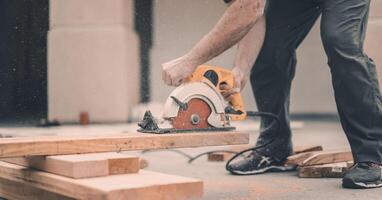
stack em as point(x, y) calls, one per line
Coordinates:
point(59, 58)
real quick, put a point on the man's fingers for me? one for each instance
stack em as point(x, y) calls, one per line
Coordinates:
point(228, 97)
point(236, 90)
point(228, 93)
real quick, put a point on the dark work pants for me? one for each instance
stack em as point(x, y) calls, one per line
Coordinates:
point(354, 77)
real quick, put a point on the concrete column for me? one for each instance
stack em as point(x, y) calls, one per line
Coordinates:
point(93, 63)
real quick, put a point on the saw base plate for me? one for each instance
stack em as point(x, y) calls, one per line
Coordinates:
point(173, 130)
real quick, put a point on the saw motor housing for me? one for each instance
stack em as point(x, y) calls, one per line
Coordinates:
point(218, 76)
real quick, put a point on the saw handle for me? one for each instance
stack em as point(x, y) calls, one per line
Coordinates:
point(237, 105)
point(218, 76)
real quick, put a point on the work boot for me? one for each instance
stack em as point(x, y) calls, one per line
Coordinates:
point(363, 175)
point(256, 163)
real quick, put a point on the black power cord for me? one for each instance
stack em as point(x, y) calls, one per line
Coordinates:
point(237, 154)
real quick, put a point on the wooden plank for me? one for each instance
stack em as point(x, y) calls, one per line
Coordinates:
point(144, 185)
point(332, 170)
point(224, 156)
point(298, 159)
point(61, 145)
point(319, 158)
point(304, 149)
point(328, 157)
point(219, 156)
point(14, 190)
point(81, 165)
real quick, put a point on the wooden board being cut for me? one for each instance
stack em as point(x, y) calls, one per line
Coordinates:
point(144, 185)
point(81, 165)
point(61, 145)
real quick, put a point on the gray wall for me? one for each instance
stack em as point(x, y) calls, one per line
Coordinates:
point(179, 24)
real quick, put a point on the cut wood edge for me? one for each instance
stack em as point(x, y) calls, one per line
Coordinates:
point(81, 165)
point(328, 157)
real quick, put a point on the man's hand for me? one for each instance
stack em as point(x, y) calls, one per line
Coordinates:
point(175, 71)
point(240, 82)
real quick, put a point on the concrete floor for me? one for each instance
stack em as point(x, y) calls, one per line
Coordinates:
point(218, 183)
point(273, 186)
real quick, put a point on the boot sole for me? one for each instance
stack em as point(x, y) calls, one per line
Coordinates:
point(348, 183)
point(266, 169)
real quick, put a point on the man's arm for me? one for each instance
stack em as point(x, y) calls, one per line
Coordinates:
point(247, 51)
point(237, 21)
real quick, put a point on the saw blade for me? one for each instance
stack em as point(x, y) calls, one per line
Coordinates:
point(194, 117)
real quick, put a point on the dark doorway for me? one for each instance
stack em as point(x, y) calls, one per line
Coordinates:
point(23, 60)
point(144, 28)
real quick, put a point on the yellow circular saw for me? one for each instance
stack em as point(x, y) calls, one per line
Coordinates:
point(197, 104)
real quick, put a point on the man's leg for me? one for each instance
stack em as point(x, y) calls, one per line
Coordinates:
point(355, 79)
point(287, 24)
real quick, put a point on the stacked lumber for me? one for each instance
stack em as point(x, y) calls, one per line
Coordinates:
point(90, 176)
point(142, 185)
point(40, 167)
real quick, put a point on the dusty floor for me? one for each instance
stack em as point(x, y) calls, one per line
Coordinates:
point(220, 185)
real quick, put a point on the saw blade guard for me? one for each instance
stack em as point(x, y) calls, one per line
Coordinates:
point(200, 90)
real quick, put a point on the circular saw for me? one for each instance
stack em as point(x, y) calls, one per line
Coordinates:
point(197, 104)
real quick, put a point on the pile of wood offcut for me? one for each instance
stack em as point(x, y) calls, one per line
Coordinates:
point(311, 161)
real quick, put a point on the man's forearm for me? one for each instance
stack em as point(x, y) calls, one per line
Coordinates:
point(236, 22)
point(249, 47)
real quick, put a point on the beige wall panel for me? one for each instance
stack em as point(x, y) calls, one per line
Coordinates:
point(376, 9)
point(92, 70)
point(91, 12)
point(312, 88)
